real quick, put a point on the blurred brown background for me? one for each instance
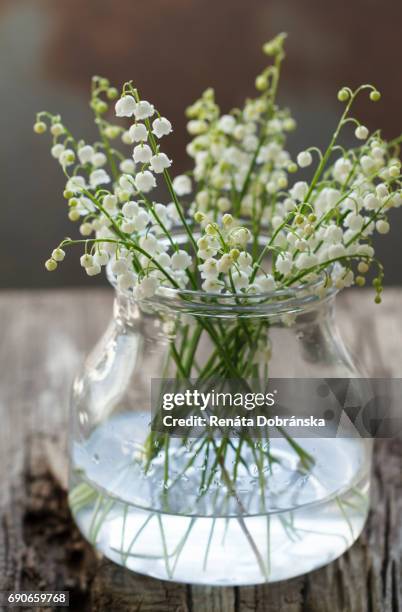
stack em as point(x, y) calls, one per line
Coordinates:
point(173, 49)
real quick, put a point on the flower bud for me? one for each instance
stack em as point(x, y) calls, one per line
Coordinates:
point(361, 132)
point(39, 127)
point(239, 237)
point(86, 260)
point(57, 129)
point(261, 82)
point(112, 93)
point(224, 204)
point(375, 96)
point(227, 220)
point(73, 215)
point(202, 243)
point(58, 254)
point(343, 95)
point(101, 107)
point(112, 131)
point(289, 124)
point(199, 216)
point(50, 265)
point(382, 226)
point(85, 229)
point(211, 229)
point(234, 254)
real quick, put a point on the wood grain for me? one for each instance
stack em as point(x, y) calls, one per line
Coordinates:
point(44, 336)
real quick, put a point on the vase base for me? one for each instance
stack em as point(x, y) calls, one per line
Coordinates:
point(231, 551)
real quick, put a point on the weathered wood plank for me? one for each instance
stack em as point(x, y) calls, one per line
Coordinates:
point(44, 336)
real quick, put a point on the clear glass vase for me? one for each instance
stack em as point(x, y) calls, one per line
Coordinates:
point(213, 509)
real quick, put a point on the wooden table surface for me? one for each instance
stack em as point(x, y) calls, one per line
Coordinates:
point(44, 336)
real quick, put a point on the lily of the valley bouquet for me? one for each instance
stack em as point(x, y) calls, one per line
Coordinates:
point(240, 187)
point(241, 232)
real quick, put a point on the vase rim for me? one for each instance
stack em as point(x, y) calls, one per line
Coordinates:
point(291, 299)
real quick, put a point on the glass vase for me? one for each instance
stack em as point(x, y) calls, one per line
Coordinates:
point(213, 509)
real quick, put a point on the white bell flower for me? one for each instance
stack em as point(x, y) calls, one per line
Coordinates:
point(244, 261)
point(161, 127)
point(67, 157)
point(304, 159)
point(101, 258)
point(361, 132)
point(181, 260)
point(226, 124)
point(147, 287)
point(240, 280)
point(85, 154)
point(76, 184)
point(126, 280)
point(225, 263)
point(145, 181)
point(126, 182)
point(250, 143)
point(371, 202)
point(333, 234)
point(126, 138)
point(209, 269)
point(142, 154)
point(98, 177)
point(126, 106)
point(265, 283)
point(85, 229)
point(172, 212)
point(306, 260)
point(128, 226)
point(212, 285)
point(366, 250)
point(162, 213)
point(58, 254)
point(354, 222)
point(164, 260)
point(341, 170)
point(120, 266)
point(150, 244)
point(138, 132)
point(182, 185)
point(239, 237)
point(86, 260)
point(127, 166)
point(140, 221)
point(109, 203)
point(143, 110)
point(57, 150)
point(283, 264)
point(160, 162)
point(99, 159)
point(130, 209)
point(382, 227)
point(336, 250)
point(299, 191)
point(93, 270)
